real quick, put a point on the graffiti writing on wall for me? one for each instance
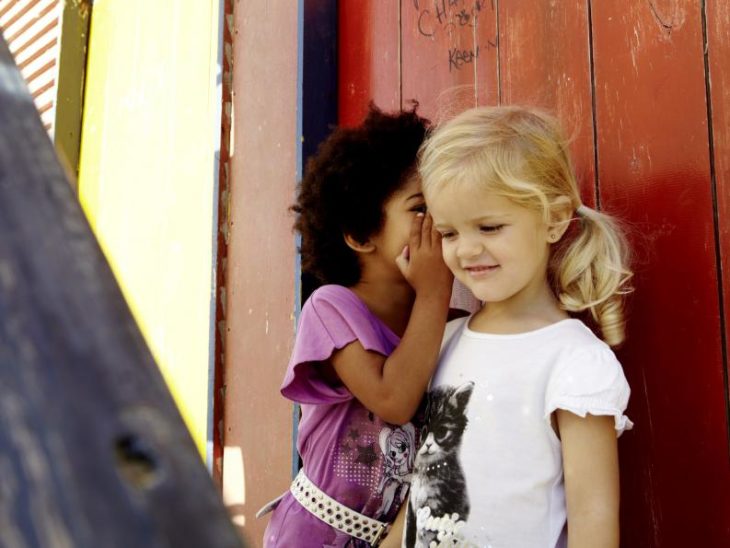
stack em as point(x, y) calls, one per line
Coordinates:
point(448, 17)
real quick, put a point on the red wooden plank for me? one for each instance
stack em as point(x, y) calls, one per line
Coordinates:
point(261, 270)
point(224, 189)
point(449, 54)
point(718, 46)
point(544, 60)
point(654, 171)
point(368, 55)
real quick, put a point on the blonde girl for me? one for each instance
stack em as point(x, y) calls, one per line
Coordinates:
point(524, 410)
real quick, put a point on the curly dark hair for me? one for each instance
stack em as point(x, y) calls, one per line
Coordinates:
point(346, 185)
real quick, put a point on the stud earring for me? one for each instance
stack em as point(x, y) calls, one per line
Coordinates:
point(553, 237)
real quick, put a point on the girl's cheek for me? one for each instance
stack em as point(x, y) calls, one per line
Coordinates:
point(449, 255)
point(445, 250)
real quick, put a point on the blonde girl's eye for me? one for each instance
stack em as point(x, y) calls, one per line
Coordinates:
point(448, 235)
point(491, 229)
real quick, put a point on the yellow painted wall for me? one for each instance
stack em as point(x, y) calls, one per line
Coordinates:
point(148, 174)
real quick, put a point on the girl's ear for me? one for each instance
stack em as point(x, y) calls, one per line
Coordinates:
point(561, 213)
point(360, 247)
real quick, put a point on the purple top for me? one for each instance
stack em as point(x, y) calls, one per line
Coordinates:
point(349, 453)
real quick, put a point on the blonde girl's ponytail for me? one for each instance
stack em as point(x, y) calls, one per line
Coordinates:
point(592, 273)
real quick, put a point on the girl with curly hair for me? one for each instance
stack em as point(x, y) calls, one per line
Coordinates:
point(368, 339)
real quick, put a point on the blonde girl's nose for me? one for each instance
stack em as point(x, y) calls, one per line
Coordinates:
point(468, 247)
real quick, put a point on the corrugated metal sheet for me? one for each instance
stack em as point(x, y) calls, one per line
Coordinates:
point(32, 30)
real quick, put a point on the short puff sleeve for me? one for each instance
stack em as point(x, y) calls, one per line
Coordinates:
point(332, 318)
point(590, 380)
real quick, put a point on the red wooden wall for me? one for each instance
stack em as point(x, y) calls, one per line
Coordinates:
point(643, 86)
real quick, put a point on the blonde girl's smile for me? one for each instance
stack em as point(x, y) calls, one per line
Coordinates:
point(481, 271)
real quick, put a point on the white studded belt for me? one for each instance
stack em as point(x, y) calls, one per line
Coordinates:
point(335, 514)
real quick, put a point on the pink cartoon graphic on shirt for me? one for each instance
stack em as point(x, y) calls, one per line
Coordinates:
point(398, 447)
point(376, 459)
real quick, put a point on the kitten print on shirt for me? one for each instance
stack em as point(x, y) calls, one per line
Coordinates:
point(439, 503)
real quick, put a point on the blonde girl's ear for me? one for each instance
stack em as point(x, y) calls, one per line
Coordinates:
point(360, 247)
point(561, 213)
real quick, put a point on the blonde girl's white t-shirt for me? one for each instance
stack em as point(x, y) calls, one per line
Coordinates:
point(489, 472)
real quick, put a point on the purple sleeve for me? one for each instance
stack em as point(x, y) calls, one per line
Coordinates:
point(331, 318)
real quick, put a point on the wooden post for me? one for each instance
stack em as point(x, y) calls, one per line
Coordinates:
point(93, 451)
